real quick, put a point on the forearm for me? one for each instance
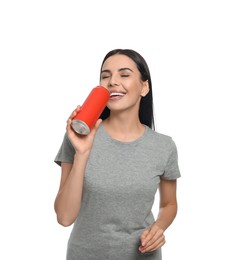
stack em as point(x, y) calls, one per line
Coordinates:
point(68, 201)
point(166, 216)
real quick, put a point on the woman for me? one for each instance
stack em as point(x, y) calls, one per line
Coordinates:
point(109, 177)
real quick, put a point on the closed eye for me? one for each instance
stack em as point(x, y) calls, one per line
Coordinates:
point(104, 77)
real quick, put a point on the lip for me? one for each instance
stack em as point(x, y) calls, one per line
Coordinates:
point(116, 95)
point(116, 90)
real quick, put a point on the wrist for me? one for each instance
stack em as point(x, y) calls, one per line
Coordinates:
point(79, 156)
point(159, 225)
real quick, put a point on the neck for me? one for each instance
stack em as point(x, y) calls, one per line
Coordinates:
point(123, 127)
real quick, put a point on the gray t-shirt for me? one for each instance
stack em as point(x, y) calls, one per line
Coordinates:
point(120, 183)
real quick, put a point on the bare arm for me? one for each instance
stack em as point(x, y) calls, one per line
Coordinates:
point(168, 204)
point(68, 200)
point(153, 237)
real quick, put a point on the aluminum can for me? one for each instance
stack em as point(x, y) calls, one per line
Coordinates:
point(90, 110)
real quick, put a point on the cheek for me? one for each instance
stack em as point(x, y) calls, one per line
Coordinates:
point(136, 90)
point(104, 82)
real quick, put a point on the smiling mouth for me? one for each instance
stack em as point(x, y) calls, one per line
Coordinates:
point(116, 94)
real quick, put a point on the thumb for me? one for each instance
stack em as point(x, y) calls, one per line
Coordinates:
point(97, 124)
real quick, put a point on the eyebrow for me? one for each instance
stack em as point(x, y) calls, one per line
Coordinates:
point(122, 69)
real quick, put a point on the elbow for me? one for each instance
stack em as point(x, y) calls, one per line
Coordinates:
point(64, 221)
point(64, 216)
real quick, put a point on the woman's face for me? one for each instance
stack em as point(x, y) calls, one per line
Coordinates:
point(121, 76)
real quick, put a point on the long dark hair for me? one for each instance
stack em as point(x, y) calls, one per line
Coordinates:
point(146, 115)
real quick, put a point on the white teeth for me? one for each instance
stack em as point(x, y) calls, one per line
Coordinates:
point(116, 94)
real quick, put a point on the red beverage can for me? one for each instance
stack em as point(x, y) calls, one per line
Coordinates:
point(90, 110)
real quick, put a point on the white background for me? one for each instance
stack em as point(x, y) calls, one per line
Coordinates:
point(50, 55)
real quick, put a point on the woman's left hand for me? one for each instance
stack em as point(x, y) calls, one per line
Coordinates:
point(152, 239)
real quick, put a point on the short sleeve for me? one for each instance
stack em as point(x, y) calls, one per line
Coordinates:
point(66, 152)
point(172, 171)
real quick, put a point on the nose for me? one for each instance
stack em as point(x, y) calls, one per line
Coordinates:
point(113, 81)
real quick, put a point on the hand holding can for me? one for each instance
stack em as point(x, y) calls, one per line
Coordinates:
point(90, 110)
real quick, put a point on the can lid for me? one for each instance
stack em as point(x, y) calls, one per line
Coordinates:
point(80, 127)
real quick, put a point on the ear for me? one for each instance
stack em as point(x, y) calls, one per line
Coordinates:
point(145, 88)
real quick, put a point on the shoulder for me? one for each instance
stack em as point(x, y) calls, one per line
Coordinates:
point(161, 138)
point(160, 143)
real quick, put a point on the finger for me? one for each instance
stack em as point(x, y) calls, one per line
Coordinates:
point(156, 245)
point(149, 235)
point(143, 236)
point(70, 132)
point(158, 234)
point(69, 121)
point(69, 128)
point(157, 238)
point(97, 124)
point(74, 113)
